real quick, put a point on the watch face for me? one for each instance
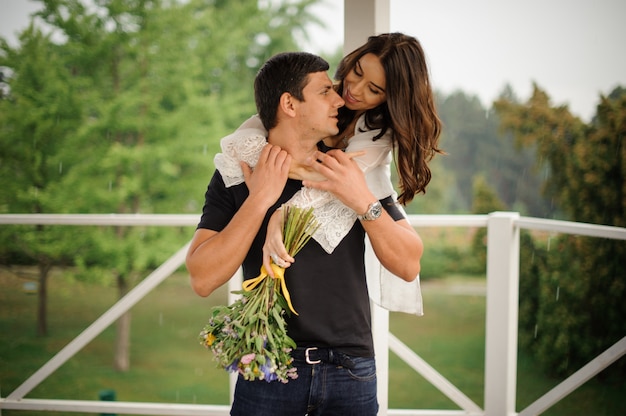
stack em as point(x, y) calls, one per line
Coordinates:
point(373, 212)
point(376, 210)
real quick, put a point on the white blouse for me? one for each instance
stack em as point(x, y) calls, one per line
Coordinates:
point(335, 219)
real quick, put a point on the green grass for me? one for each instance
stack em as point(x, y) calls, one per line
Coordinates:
point(450, 337)
point(169, 365)
point(167, 362)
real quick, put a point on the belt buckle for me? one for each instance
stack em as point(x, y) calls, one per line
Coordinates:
point(307, 358)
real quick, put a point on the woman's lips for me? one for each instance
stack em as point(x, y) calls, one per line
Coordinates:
point(349, 97)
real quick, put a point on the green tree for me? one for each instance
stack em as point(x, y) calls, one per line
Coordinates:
point(158, 83)
point(36, 116)
point(485, 201)
point(553, 131)
point(169, 61)
point(518, 177)
point(475, 146)
point(463, 140)
point(579, 295)
point(441, 194)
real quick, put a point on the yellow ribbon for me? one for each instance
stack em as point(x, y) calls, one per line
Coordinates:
point(279, 273)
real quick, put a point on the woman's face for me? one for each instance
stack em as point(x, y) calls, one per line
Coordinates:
point(364, 86)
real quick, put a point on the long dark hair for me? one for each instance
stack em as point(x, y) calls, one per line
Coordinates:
point(409, 111)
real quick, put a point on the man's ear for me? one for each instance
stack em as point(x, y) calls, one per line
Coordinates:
point(287, 104)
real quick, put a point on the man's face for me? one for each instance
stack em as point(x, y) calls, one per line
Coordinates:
point(318, 111)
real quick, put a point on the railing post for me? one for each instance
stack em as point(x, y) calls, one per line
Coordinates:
point(502, 311)
point(363, 18)
point(234, 284)
point(380, 331)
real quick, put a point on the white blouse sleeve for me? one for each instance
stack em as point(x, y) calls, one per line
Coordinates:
point(376, 162)
point(245, 144)
point(376, 151)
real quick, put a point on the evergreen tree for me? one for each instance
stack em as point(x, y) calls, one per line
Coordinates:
point(485, 201)
point(37, 114)
point(578, 298)
point(474, 147)
point(464, 120)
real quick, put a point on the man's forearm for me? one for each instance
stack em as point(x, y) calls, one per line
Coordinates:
point(214, 257)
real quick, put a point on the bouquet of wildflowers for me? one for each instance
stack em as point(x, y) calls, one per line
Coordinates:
point(250, 335)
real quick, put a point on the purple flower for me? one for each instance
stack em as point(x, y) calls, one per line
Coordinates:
point(233, 367)
point(269, 373)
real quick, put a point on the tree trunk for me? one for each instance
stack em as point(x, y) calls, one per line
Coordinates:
point(42, 300)
point(122, 341)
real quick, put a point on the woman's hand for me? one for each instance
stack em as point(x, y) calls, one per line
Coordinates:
point(274, 249)
point(344, 179)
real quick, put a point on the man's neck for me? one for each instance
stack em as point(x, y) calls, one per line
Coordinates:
point(298, 145)
point(301, 149)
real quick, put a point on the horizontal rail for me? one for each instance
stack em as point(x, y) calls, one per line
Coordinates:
point(569, 227)
point(528, 223)
point(191, 220)
point(168, 409)
point(127, 220)
point(448, 220)
point(428, 412)
point(131, 408)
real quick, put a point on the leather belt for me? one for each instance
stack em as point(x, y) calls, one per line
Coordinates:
point(316, 355)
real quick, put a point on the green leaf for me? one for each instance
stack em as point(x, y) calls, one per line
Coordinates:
point(278, 319)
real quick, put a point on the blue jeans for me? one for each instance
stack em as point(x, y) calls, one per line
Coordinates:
point(320, 390)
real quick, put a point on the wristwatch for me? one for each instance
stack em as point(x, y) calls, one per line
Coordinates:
point(373, 211)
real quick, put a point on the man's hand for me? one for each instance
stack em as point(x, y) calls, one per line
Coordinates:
point(213, 256)
point(267, 181)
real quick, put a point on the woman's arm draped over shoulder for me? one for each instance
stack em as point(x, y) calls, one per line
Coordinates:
point(396, 244)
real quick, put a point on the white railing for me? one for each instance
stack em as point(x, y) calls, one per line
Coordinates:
point(501, 322)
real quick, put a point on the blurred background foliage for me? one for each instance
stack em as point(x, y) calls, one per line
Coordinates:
point(118, 107)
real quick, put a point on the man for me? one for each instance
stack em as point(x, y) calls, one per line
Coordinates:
point(335, 356)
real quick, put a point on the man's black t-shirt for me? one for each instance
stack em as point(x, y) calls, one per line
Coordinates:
point(328, 291)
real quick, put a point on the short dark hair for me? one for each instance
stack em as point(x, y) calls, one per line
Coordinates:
point(284, 72)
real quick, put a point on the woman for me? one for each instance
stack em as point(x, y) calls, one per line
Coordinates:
point(389, 109)
point(404, 107)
